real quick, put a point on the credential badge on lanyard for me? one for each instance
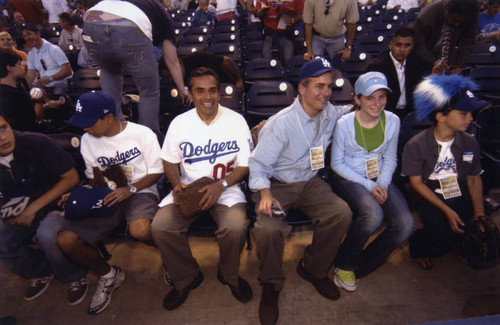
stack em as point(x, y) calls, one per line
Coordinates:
point(450, 187)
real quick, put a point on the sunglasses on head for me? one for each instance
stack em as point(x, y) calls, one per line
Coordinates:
point(327, 4)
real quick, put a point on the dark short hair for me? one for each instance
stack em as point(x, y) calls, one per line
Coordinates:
point(65, 16)
point(463, 7)
point(4, 115)
point(200, 72)
point(7, 58)
point(404, 32)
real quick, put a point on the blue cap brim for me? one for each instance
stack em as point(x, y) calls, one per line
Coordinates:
point(81, 121)
point(469, 104)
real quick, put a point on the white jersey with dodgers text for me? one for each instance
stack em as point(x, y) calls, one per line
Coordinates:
point(212, 150)
point(136, 149)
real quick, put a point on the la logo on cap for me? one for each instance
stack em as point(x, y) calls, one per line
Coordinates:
point(470, 94)
point(326, 64)
point(78, 107)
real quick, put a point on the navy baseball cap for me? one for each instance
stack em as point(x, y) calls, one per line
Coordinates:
point(315, 68)
point(85, 202)
point(30, 27)
point(370, 82)
point(467, 102)
point(90, 107)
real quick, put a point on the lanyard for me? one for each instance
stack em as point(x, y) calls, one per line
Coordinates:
point(320, 130)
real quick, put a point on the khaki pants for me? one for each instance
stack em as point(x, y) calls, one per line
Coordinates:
point(330, 216)
point(169, 229)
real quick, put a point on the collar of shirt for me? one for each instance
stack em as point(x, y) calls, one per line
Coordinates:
point(397, 64)
point(216, 118)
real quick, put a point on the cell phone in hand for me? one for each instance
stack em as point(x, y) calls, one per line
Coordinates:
point(277, 212)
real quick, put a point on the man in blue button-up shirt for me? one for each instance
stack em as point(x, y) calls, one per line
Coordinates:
point(283, 173)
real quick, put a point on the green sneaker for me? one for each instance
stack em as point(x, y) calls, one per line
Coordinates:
point(345, 280)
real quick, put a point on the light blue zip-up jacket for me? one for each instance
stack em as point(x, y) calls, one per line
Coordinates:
point(348, 157)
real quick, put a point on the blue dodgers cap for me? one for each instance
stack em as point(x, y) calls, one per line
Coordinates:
point(370, 82)
point(315, 68)
point(30, 27)
point(467, 102)
point(85, 202)
point(90, 107)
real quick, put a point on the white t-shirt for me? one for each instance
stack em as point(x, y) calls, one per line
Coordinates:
point(7, 160)
point(136, 149)
point(208, 150)
point(126, 10)
point(74, 38)
point(446, 164)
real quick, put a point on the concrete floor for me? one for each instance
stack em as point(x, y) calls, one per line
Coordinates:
point(399, 292)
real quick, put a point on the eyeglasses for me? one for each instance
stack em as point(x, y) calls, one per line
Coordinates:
point(327, 4)
point(3, 129)
point(44, 66)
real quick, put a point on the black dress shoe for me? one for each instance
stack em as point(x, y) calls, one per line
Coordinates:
point(268, 307)
point(243, 292)
point(324, 286)
point(176, 298)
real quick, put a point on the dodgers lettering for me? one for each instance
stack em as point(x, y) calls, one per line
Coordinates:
point(120, 158)
point(211, 150)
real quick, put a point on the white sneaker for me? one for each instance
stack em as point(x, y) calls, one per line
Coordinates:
point(105, 288)
point(345, 280)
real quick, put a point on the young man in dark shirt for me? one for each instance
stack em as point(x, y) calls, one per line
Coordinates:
point(34, 173)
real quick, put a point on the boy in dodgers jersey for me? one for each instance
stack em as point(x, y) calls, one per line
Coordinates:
point(207, 141)
point(106, 142)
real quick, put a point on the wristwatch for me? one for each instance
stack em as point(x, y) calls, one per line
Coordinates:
point(132, 188)
point(224, 183)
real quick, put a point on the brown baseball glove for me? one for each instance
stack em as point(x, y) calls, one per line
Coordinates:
point(190, 197)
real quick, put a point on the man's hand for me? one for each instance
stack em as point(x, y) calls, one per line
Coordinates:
point(379, 194)
point(62, 201)
point(309, 55)
point(267, 200)
point(117, 196)
point(25, 219)
point(440, 66)
point(43, 81)
point(346, 54)
point(177, 190)
point(455, 221)
point(212, 194)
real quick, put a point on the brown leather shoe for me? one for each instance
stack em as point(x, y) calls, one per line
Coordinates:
point(243, 292)
point(268, 307)
point(176, 298)
point(324, 286)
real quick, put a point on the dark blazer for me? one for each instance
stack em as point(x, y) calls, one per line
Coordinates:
point(413, 75)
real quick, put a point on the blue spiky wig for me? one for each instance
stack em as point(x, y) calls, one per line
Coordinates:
point(438, 92)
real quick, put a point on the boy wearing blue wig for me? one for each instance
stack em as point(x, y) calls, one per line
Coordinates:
point(443, 165)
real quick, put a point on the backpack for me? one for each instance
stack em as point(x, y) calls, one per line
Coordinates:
point(481, 249)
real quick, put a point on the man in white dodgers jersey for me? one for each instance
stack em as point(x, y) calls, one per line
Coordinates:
point(135, 148)
point(207, 141)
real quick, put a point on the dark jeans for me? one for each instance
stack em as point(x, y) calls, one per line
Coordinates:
point(368, 216)
point(436, 237)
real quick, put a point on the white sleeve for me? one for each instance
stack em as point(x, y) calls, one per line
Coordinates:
point(152, 153)
point(87, 156)
point(246, 145)
point(170, 151)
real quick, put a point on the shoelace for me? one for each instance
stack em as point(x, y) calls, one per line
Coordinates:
point(74, 286)
point(347, 275)
point(37, 281)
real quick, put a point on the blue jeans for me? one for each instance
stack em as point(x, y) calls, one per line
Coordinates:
point(368, 216)
point(46, 236)
point(321, 44)
point(19, 257)
point(285, 46)
point(118, 46)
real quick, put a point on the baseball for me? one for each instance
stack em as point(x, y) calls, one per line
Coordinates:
point(36, 93)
